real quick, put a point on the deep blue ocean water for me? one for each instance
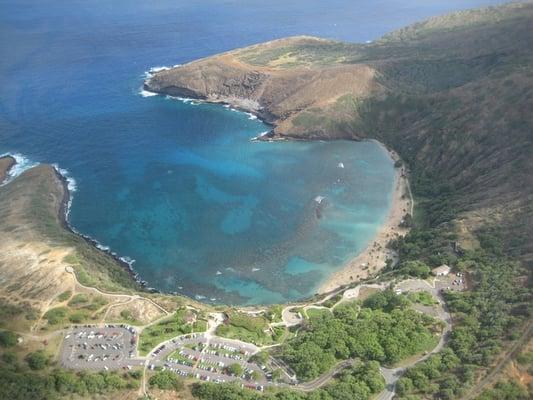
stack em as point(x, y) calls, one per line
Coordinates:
point(179, 187)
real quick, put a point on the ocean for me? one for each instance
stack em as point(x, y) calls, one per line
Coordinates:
point(178, 188)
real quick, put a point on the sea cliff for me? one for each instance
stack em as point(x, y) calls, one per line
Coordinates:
point(452, 95)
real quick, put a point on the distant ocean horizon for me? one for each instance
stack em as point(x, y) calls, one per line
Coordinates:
point(176, 187)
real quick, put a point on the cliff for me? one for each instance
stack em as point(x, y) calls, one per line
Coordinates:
point(453, 95)
point(6, 163)
point(35, 247)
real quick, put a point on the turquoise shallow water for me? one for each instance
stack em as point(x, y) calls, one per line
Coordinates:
point(179, 187)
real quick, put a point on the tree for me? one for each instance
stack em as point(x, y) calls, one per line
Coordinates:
point(7, 339)
point(166, 380)
point(37, 360)
point(260, 358)
point(415, 268)
point(404, 386)
point(235, 369)
point(256, 375)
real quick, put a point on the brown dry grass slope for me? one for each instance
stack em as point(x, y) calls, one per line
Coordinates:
point(452, 95)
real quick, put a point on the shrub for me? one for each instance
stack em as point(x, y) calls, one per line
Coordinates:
point(37, 360)
point(8, 339)
point(166, 380)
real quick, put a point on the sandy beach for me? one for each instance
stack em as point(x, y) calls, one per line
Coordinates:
point(373, 258)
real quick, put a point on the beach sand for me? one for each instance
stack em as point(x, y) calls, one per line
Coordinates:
point(371, 260)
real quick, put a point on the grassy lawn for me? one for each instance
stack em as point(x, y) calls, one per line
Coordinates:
point(274, 313)
point(245, 327)
point(423, 298)
point(316, 312)
point(181, 322)
point(178, 357)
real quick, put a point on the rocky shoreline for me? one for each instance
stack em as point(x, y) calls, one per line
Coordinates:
point(63, 218)
point(6, 163)
point(374, 257)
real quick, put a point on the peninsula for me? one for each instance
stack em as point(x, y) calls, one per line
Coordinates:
point(6, 163)
point(448, 316)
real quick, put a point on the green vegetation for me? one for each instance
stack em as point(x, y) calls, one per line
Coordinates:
point(166, 380)
point(7, 339)
point(64, 296)
point(127, 316)
point(485, 318)
point(81, 308)
point(17, 317)
point(17, 384)
point(245, 327)
point(316, 312)
point(332, 301)
point(384, 330)
point(56, 315)
point(525, 358)
point(235, 369)
point(181, 322)
point(175, 355)
point(359, 382)
point(92, 266)
point(457, 110)
point(274, 313)
point(88, 302)
point(510, 390)
point(423, 298)
point(307, 52)
point(37, 360)
point(261, 358)
point(415, 268)
point(385, 300)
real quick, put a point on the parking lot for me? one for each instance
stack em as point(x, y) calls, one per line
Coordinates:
point(100, 348)
point(207, 359)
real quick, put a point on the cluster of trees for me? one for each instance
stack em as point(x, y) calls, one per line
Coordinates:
point(19, 383)
point(359, 382)
point(37, 360)
point(484, 318)
point(7, 339)
point(166, 380)
point(384, 329)
point(510, 390)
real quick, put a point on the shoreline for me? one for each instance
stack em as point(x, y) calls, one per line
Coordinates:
point(373, 258)
point(63, 219)
point(6, 163)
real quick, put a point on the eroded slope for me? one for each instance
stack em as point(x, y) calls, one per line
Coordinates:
point(453, 95)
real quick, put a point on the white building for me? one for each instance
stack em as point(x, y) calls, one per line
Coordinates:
point(443, 270)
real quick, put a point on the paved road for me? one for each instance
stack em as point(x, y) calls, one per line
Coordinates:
point(205, 357)
point(392, 375)
point(113, 347)
point(324, 378)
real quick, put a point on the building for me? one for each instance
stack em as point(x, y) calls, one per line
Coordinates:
point(443, 270)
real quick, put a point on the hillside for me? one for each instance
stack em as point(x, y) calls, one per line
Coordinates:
point(453, 95)
point(6, 163)
point(35, 247)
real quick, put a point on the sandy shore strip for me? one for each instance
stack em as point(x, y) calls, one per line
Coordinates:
point(372, 259)
point(6, 162)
